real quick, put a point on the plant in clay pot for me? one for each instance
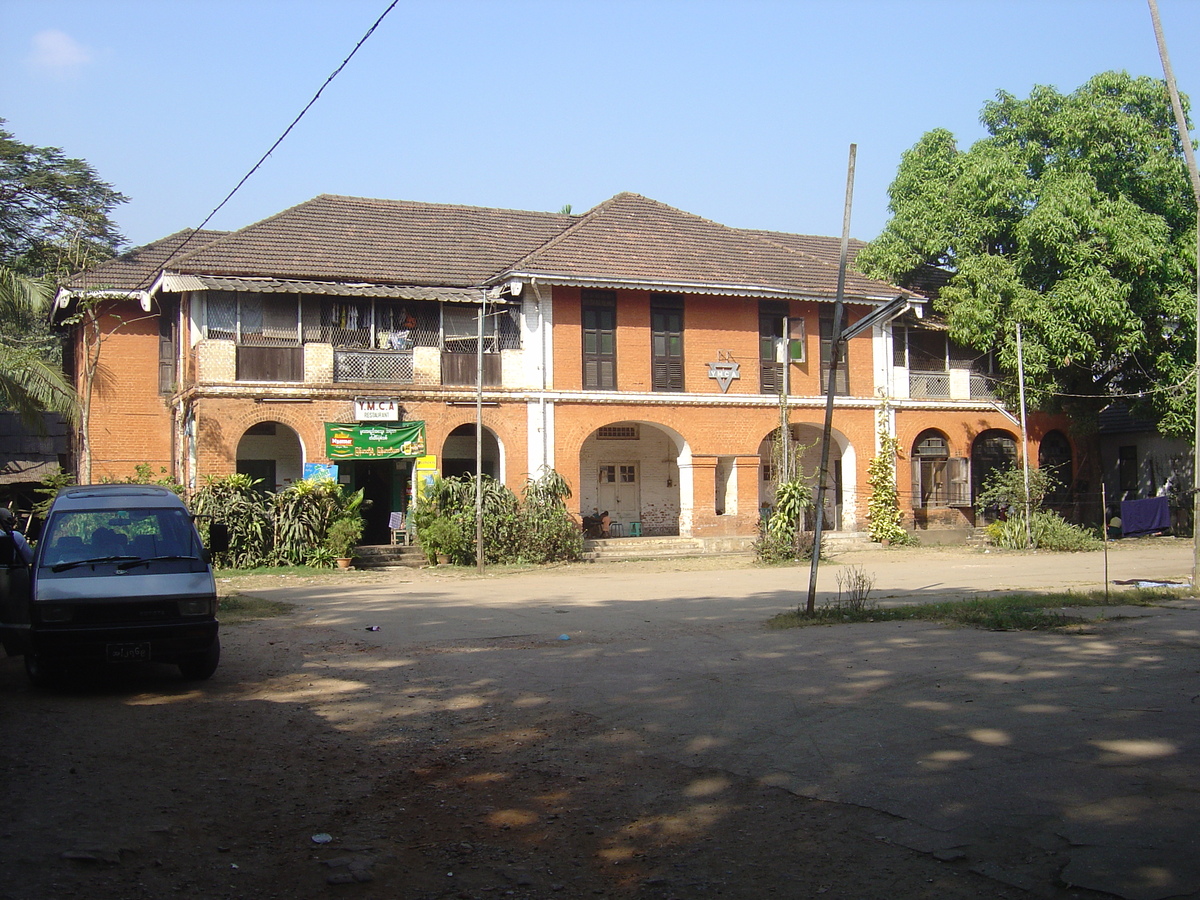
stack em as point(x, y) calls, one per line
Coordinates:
point(344, 535)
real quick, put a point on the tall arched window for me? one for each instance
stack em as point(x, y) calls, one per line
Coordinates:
point(992, 450)
point(938, 481)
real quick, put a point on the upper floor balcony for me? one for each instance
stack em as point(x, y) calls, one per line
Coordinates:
point(274, 338)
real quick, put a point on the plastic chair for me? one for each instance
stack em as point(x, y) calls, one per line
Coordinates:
point(635, 529)
point(615, 529)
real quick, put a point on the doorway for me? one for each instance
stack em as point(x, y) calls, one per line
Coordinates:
point(384, 483)
point(618, 491)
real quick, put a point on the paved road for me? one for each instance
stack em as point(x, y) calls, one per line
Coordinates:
point(1036, 758)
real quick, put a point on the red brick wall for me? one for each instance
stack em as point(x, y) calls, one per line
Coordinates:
point(713, 326)
point(130, 420)
point(222, 422)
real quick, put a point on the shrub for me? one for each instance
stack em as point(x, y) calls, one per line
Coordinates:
point(782, 539)
point(537, 528)
point(269, 529)
point(1048, 530)
point(443, 537)
point(344, 535)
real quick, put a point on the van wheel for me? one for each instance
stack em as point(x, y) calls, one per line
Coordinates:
point(40, 672)
point(200, 666)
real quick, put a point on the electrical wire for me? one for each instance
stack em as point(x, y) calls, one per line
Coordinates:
point(178, 250)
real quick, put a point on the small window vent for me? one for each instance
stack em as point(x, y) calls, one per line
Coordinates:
point(617, 433)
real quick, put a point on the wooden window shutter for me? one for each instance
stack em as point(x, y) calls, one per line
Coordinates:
point(959, 476)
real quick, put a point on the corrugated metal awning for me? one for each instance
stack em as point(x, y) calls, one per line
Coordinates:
point(178, 282)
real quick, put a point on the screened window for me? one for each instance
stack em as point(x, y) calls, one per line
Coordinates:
point(255, 319)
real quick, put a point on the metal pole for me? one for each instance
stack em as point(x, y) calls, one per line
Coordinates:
point(1024, 439)
point(834, 353)
point(1104, 531)
point(479, 440)
point(1186, 141)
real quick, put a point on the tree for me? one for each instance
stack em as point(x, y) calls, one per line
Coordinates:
point(1073, 218)
point(54, 211)
point(30, 381)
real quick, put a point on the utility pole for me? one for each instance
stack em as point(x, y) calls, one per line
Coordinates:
point(834, 356)
point(1024, 440)
point(1186, 140)
point(479, 439)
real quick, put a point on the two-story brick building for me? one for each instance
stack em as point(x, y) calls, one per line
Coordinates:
point(639, 350)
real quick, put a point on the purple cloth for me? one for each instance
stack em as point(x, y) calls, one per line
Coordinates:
point(1144, 516)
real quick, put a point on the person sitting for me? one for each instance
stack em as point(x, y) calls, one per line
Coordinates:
point(605, 524)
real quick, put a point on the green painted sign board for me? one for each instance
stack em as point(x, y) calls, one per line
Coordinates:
point(374, 440)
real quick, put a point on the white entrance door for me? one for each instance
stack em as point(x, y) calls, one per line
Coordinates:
point(617, 492)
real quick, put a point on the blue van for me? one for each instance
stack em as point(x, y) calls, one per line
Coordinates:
point(119, 575)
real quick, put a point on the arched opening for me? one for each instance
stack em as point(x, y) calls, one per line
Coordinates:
point(458, 453)
point(991, 451)
point(930, 471)
point(271, 453)
point(840, 490)
point(1055, 459)
point(634, 471)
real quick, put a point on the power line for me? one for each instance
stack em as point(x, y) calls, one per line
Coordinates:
point(281, 138)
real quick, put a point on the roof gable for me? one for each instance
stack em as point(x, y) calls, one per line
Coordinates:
point(137, 269)
point(631, 238)
point(378, 241)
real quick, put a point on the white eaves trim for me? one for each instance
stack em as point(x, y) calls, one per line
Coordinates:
point(684, 287)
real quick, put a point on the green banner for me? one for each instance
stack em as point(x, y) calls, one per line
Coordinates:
point(374, 440)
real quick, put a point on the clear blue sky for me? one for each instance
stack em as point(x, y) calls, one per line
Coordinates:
point(741, 111)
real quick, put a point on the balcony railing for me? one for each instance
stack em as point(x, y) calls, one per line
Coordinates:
point(929, 385)
point(982, 387)
point(373, 365)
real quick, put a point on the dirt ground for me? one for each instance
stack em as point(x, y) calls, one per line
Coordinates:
point(134, 784)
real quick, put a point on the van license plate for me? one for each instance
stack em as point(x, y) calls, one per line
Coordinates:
point(129, 652)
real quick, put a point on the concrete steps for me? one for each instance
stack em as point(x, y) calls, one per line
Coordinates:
point(379, 556)
point(610, 549)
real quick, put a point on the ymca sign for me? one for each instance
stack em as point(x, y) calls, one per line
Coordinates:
point(369, 409)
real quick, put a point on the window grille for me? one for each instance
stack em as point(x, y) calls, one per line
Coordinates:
point(221, 313)
point(617, 433)
point(373, 365)
point(262, 320)
point(983, 387)
point(929, 385)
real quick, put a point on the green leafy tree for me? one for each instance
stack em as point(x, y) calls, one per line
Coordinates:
point(1074, 218)
point(55, 212)
point(54, 221)
point(31, 381)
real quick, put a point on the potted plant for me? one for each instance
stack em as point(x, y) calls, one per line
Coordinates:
point(344, 535)
point(438, 539)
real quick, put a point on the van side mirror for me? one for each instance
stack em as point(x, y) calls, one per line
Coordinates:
point(218, 538)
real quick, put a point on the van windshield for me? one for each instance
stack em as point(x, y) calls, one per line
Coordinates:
point(118, 534)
